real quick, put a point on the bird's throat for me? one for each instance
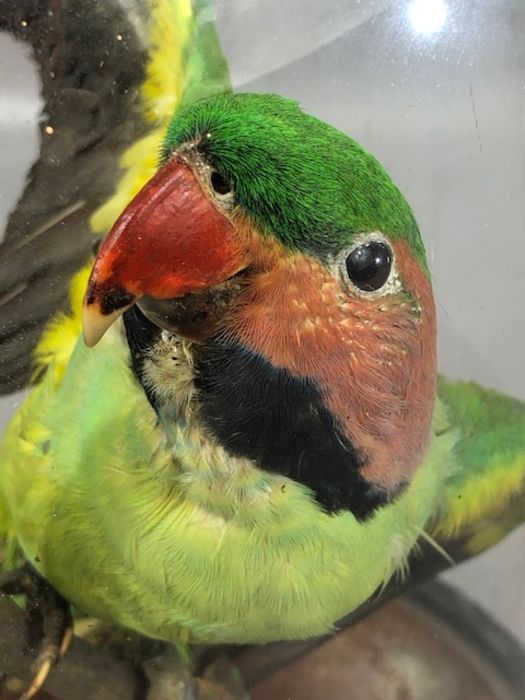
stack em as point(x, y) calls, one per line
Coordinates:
point(220, 399)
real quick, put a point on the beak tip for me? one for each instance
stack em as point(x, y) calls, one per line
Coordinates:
point(92, 328)
point(95, 323)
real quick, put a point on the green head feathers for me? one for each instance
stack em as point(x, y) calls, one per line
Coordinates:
point(297, 178)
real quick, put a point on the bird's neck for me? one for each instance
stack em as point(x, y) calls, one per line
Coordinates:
point(238, 424)
point(218, 483)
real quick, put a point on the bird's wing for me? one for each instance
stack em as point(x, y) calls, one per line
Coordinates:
point(108, 95)
point(486, 489)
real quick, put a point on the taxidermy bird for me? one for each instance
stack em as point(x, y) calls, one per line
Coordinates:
point(249, 439)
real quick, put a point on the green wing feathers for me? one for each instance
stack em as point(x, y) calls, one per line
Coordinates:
point(486, 486)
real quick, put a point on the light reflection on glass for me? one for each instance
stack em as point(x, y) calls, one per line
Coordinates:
point(427, 16)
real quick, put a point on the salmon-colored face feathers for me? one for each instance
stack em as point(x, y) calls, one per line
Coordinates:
point(373, 358)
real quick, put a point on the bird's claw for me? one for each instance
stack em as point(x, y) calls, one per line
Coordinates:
point(49, 613)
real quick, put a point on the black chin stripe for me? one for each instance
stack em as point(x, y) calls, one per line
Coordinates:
point(279, 421)
point(142, 336)
point(264, 413)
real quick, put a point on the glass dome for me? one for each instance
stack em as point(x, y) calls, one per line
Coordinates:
point(435, 89)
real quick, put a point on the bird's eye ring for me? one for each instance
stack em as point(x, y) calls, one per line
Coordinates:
point(368, 265)
point(220, 184)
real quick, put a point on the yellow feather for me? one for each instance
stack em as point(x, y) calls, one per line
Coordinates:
point(139, 163)
point(61, 333)
point(169, 33)
point(486, 538)
point(481, 497)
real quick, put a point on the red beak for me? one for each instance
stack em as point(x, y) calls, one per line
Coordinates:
point(169, 241)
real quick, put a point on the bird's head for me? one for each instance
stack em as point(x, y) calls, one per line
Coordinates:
point(285, 252)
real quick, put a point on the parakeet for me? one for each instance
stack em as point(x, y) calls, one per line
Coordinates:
point(250, 439)
point(256, 447)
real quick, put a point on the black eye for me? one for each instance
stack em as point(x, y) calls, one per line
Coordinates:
point(220, 184)
point(368, 266)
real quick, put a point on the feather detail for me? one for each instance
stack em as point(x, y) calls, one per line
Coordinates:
point(61, 334)
point(169, 33)
point(184, 50)
point(489, 455)
point(479, 498)
point(201, 570)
